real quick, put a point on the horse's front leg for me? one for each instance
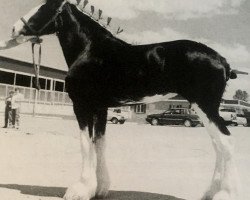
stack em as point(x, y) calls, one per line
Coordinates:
point(85, 188)
point(103, 181)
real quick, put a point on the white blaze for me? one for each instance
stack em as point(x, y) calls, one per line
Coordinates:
point(18, 26)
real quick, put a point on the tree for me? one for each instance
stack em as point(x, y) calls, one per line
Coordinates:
point(241, 95)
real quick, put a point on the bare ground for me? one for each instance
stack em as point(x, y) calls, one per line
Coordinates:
point(146, 163)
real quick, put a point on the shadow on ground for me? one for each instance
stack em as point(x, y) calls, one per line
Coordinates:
point(60, 191)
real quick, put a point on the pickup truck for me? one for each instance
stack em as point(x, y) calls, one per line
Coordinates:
point(247, 116)
point(229, 115)
point(115, 116)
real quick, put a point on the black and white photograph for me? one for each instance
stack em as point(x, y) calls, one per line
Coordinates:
point(124, 99)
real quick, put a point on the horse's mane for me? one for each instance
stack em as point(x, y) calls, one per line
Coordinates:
point(86, 11)
point(101, 21)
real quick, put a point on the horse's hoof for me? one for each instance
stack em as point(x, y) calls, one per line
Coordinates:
point(222, 195)
point(102, 188)
point(101, 193)
point(78, 191)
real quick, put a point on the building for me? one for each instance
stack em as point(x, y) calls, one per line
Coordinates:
point(140, 111)
point(51, 99)
point(240, 106)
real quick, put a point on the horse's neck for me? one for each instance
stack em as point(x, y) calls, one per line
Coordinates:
point(79, 34)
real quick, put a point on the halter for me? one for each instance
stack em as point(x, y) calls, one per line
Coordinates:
point(53, 19)
point(38, 41)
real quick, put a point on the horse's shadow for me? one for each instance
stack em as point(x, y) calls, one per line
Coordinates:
point(60, 191)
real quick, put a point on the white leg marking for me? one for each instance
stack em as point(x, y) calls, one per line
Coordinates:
point(225, 182)
point(103, 181)
point(85, 188)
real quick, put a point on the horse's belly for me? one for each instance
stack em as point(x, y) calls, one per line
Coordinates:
point(149, 99)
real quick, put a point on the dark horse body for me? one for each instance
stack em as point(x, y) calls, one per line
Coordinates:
point(105, 71)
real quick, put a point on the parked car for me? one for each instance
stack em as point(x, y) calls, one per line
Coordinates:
point(229, 115)
point(115, 117)
point(247, 116)
point(176, 116)
point(241, 120)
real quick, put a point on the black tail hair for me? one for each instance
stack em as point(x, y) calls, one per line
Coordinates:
point(233, 74)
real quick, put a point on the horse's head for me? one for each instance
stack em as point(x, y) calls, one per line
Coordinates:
point(42, 20)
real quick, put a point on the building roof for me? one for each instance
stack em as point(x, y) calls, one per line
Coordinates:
point(52, 55)
point(236, 102)
point(26, 67)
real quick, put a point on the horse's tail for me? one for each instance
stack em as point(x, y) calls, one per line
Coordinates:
point(234, 72)
point(231, 73)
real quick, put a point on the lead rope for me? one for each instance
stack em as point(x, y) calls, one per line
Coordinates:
point(36, 66)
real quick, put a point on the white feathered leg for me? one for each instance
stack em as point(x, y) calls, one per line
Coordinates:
point(103, 181)
point(225, 181)
point(85, 188)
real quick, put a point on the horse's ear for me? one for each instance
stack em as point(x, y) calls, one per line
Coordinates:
point(75, 2)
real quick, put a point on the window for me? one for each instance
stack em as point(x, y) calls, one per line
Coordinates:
point(23, 80)
point(140, 108)
point(7, 77)
point(117, 110)
point(168, 112)
point(42, 82)
point(48, 84)
point(176, 112)
point(59, 86)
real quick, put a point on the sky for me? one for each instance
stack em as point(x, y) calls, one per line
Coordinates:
point(223, 25)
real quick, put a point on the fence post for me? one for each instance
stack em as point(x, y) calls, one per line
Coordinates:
point(35, 103)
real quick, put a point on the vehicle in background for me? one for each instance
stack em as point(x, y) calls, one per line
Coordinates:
point(115, 116)
point(175, 116)
point(241, 120)
point(229, 115)
point(247, 116)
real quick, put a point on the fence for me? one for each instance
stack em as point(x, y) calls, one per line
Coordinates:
point(39, 102)
point(43, 96)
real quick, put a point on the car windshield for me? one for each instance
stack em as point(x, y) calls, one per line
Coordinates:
point(227, 110)
point(192, 112)
point(174, 112)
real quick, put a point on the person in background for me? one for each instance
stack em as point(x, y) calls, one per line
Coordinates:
point(15, 108)
point(8, 114)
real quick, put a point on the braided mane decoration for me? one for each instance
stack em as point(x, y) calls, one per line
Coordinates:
point(81, 6)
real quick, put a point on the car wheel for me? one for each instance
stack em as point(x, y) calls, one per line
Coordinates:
point(114, 120)
point(187, 123)
point(121, 122)
point(154, 122)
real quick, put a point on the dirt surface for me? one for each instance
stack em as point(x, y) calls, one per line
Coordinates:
point(41, 159)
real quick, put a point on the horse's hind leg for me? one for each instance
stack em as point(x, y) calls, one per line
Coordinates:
point(225, 184)
point(103, 181)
